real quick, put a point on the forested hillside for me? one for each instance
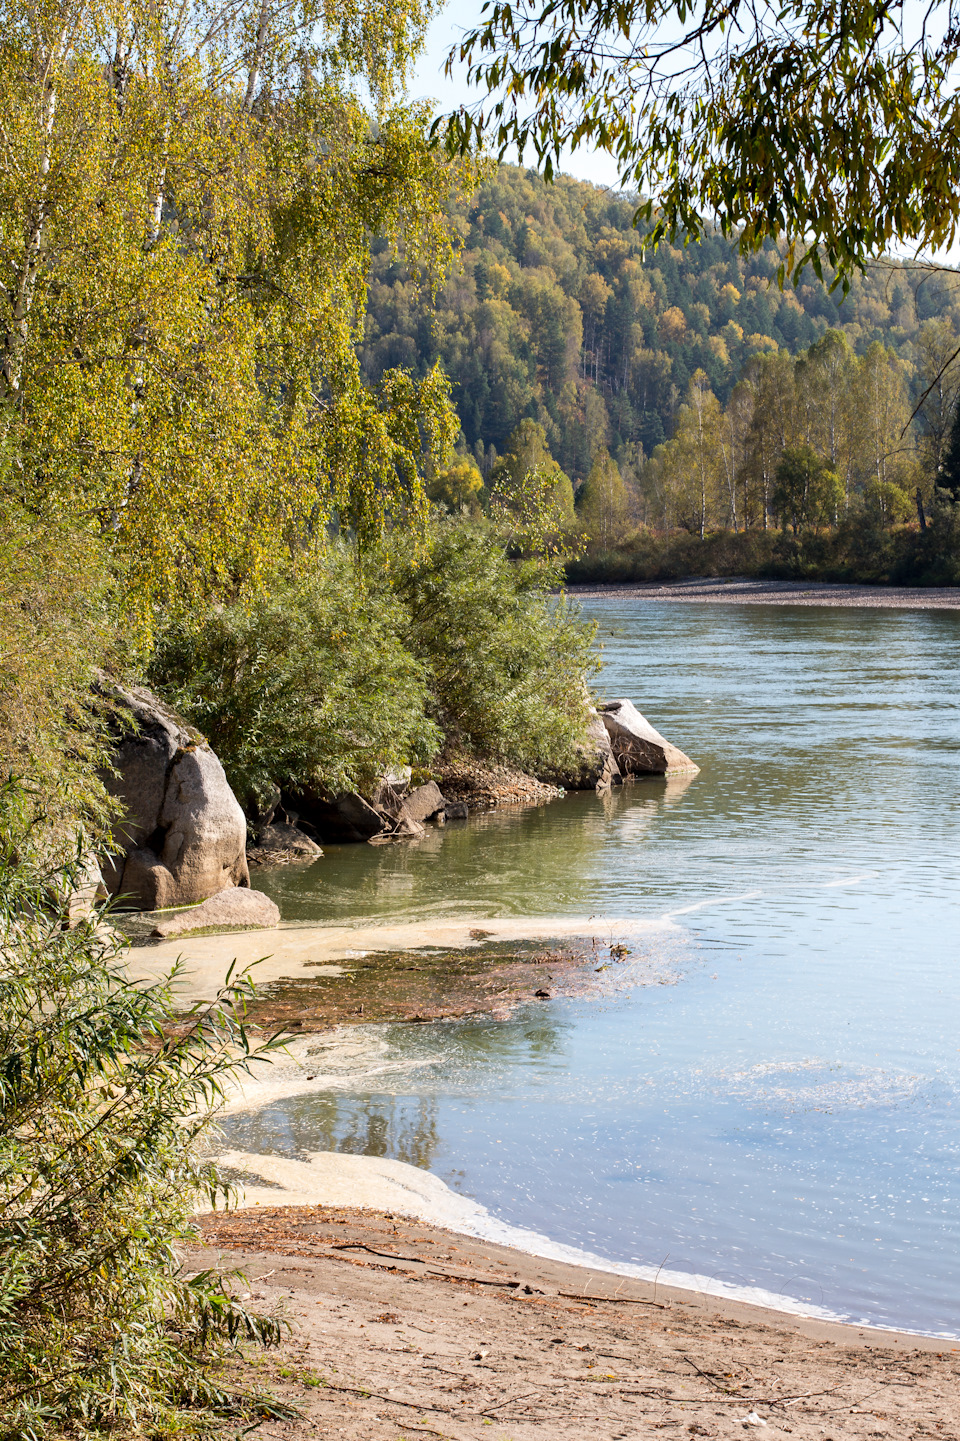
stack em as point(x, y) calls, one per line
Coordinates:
point(555, 315)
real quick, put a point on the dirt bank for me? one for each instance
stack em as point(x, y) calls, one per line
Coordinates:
point(401, 1329)
point(740, 591)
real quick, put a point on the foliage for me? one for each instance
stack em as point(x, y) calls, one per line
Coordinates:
point(602, 502)
point(948, 476)
point(458, 486)
point(358, 663)
point(556, 315)
point(720, 467)
point(187, 196)
point(309, 684)
point(100, 1113)
point(507, 663)
point(54, 629)
point(853, 552)
point(807, 493)
point(528, 453)
point(831, 127)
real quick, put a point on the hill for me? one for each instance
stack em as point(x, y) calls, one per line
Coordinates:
point(555, 315)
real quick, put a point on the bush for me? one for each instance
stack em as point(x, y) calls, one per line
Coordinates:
point(311, 684)
point(856, 552)
point(507, 662)
point(344, 672)
point(54, 629)
point(100, 1112)
point(647, 556)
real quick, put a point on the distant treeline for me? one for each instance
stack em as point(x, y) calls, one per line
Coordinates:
point(556, 316)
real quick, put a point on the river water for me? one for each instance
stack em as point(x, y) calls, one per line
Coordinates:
point(782, 1111)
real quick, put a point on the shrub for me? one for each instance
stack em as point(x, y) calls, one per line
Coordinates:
point(54, 629)
point(309, 684)
point(100, 1112)
point(507, 662)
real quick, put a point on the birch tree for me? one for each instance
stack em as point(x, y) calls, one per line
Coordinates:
point(188, 191)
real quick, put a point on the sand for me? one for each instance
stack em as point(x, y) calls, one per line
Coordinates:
point(739, 591)
point(311, 977)
point(402, 1329)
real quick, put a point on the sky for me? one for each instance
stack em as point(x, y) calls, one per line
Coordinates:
point(585, 163)
point(431, 83)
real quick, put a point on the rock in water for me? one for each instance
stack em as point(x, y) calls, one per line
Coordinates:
point(637, 747)
point(424, 803)
point(335, 817)
point(238, 909)
point(183, 834)
point(281, 836)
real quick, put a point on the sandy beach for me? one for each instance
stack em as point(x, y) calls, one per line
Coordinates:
point(401, 1329)
point(737, 590)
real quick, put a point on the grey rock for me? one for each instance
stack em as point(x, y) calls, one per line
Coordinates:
point(639, 749)
point(334, 817)
point(237, 909)
point(182, 836)
point(456, 810)
point(424, 803)
point(364, 818)
point(284, 837)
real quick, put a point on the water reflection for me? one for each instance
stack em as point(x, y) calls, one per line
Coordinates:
point(785, 1115)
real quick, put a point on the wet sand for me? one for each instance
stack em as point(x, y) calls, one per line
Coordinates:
point(737, 590)
point(311, 977)
point(401, 1329)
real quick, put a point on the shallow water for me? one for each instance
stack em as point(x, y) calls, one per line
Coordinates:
point(784, 1112)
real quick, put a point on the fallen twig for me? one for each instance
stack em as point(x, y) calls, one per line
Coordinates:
point(500, 1404)
point(611, 1300)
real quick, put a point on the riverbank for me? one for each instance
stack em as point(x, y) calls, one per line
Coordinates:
point(400, 1329)
point(739, 590)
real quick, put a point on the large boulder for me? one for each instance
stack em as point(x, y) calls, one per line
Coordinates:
point(639, 749)
point(424, 804)
point(334, 816)
point(182, 835)
point(347, 816)
point(238, 909)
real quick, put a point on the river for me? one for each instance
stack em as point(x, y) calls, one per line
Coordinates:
point(781, 1110)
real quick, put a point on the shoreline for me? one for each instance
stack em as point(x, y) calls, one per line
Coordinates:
point(400, 1328)
point(377, 1186)
point(740, 590)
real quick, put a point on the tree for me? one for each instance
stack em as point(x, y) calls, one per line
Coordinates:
point(827, 127)
point(948, 478)
point(939, 373)
point(458, 486)
point(807, 492)
point(602, 501)
point(187, 197)
point(528, 456)
point(823, 384)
